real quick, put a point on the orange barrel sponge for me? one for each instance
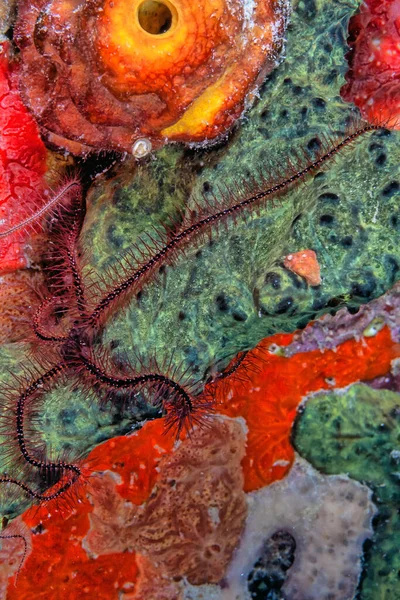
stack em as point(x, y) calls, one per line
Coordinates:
point(131, 75)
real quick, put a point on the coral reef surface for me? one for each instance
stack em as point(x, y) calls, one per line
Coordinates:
point(144, 509)
point(193, 520)
point(223, 296)
point(268, 387)
point(347, 214)
point(328, 332)
point(159, 522)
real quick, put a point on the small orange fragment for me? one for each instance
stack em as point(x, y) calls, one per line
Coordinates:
point(305, 264)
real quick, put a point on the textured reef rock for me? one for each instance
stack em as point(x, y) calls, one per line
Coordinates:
point(329, 331)
point(150, 517)
point(373, 80)
point(357, 431)
point(191, 524)
point(130, 76)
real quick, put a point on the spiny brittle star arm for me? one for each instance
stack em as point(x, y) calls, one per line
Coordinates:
point(208, 221)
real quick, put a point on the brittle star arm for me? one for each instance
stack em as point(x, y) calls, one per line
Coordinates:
point(46, 468)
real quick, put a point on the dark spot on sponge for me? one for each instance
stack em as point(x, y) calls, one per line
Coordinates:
point(329, 197)
point(326, 220)
point(319, 104)
point(284, 305)
point(240, 316)
point(364, 289)
point(347, 241)
point(380, 159)
point(296, 219)
point(274, 279)
point(374, 146)
point(314, 144)
point(222, 302)
point(390, 189)
point(392, 267)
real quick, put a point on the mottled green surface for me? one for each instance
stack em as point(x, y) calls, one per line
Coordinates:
point(67, 422)
point(212, 304)
point(358, 432)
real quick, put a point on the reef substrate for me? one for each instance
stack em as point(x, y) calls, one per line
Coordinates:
point(141, 499)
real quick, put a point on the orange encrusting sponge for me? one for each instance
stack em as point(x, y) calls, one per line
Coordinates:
point(269, 401)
